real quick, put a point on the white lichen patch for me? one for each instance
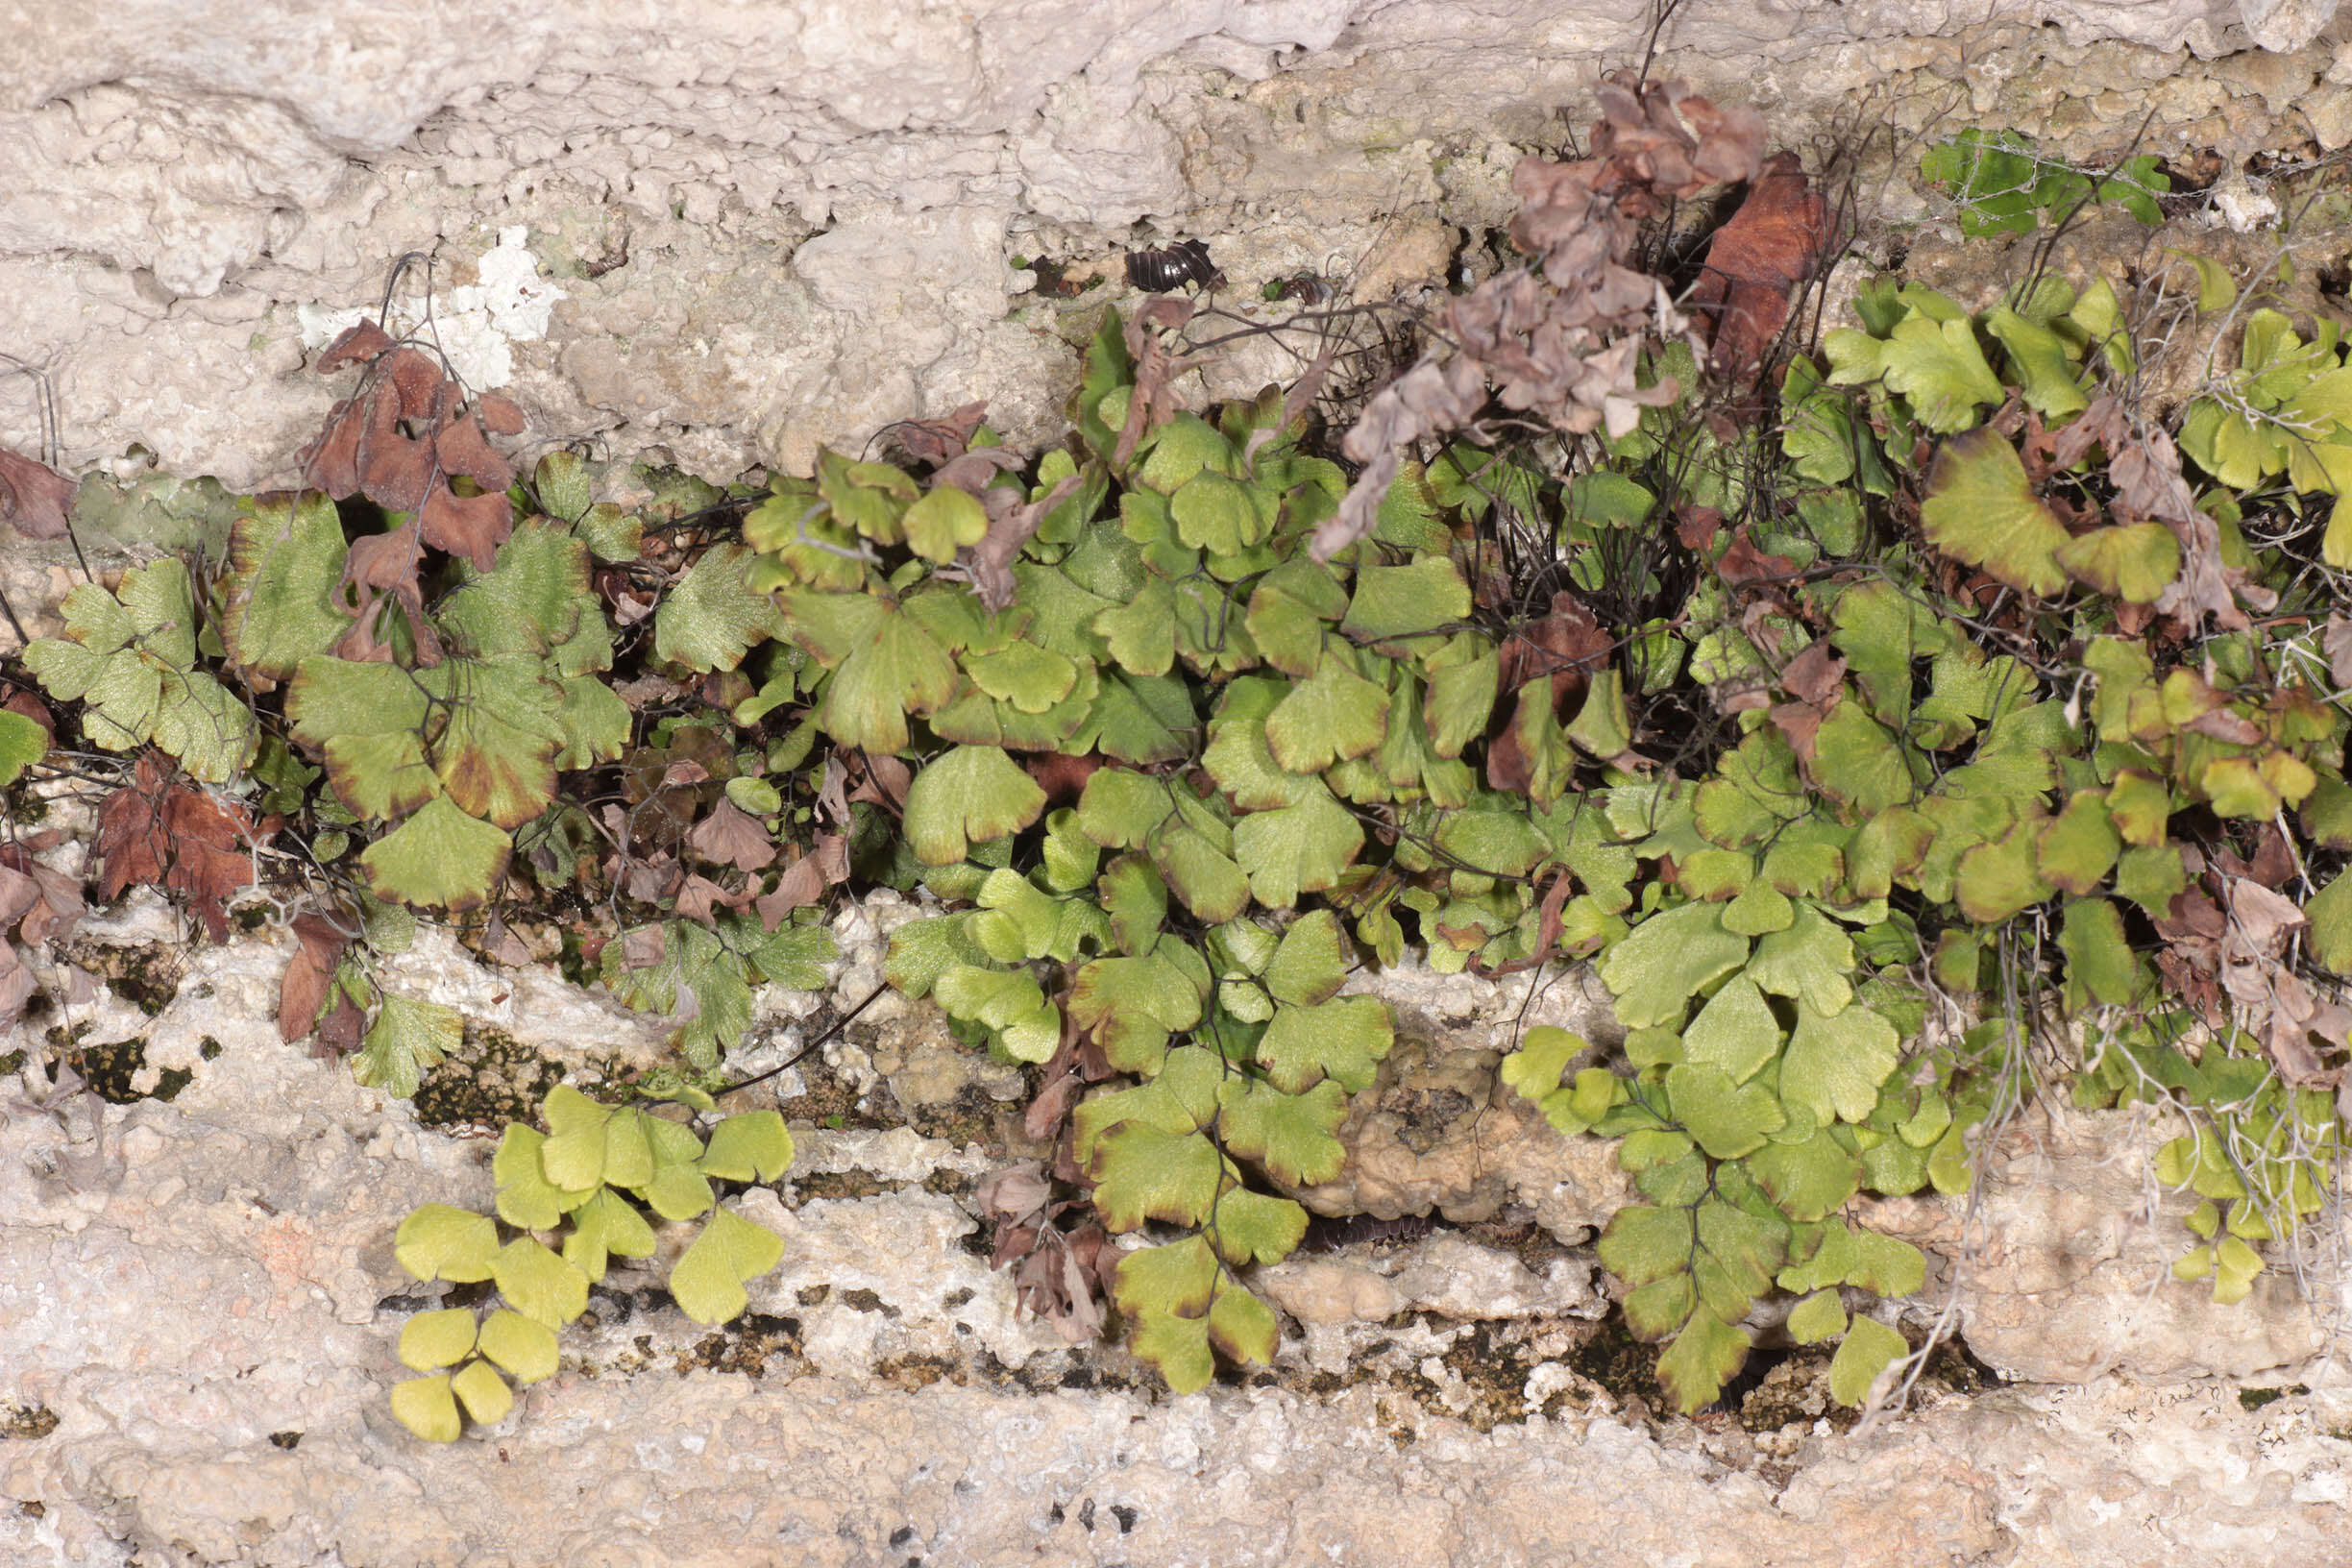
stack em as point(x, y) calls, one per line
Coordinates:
point(2243, 204)
point(476, 324)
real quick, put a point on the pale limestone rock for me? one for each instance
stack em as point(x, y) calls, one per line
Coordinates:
point(1449, 1275)
point(183, 180)
point(217, 1272)
point(899, 1283)
point(1438, 1133)
point(1320, 1291)
point(2064, 1274)
point(2285, 25)
point(900, 1155)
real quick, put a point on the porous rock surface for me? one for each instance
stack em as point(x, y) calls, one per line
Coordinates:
point(199, 1304)
point(2061, 1264)
point(723, 233)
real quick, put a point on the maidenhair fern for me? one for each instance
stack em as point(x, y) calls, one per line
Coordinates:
point(603, 1176)
point(1953, 692)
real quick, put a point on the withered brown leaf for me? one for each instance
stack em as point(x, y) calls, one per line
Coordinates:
point(33, 496)
point(18, 893)
point(1799, 724)
point(500, 942)
point(1547, 932)
point(1509, 767)
point(887, 781)
point(643, 948)
point(1696, 526)
point(1566, 643)
point(805, 880)
point(396, 470)
point(728, 837)
point(2338, 641)
point(339, 1031)
point(358, 346)
point(462, 450)
point(330, 462)
point(1772, 243)
point(1012, 523)
point(1152, 400)
point(937, 441)
point(974, 472)
point(470, 526)
point(1814, 674)
point(397, 441)
point(417, 380)
point(1743, 565)
point(319, 948)
point(60, 905)
point(699, 898)
point(499, 413)
point(802, 883)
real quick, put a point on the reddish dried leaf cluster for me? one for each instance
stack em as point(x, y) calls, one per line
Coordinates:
point(1063, 1276)
point(399, 439)
point(1665, 141)
point(1151, 401)
point(944, 445)
point(806, 880)
point(163, 831)
point(1012, 523)
point(1562, 346)
point(645, 868)
point(1815, 682)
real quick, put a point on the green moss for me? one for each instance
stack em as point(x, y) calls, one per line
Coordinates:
point(111, 1070)
point(2254, 1399)
point(1613, 1359)
point(27, 1423)
point(842, 1184)
point(754, 1345)
point(971, 1120)
point(147, 975)
point(490, 1080)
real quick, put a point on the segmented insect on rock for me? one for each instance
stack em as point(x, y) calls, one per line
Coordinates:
point(1170, 267)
